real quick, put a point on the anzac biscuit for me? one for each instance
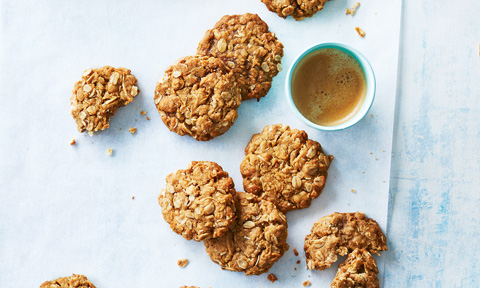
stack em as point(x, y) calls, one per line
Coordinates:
point(244, 43)
point(255, 242)
point(98, 96)
point(198, 96)
point(199, 202)
point(359, 271)
point(299, 9)
point(74, 281)
point(284, 167)
point(339, 234)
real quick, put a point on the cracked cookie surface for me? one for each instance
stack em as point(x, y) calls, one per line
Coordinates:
point(339, 234)
point(255, 242)
point(99, 94)
point(198, 96)
point(284, 167)
point(74, 281)
point(359, 270)
point(247, 47)
point(299, 9)
point(199, 202)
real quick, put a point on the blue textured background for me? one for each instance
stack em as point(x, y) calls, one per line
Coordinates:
point(434, 212)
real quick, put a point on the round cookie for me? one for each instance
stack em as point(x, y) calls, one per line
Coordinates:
point(359, 270)
point(199, 202)
point(339, 234)
point(244, 43)
point(284, 167)
point(198, 96)
point(99, 94)
point(255, 242)
point(74, 281)
point(299, 9)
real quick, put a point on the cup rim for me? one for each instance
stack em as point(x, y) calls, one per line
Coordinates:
point(369, 78)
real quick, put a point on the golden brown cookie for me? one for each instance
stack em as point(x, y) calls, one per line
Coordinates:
point(244, 43)
point(339, 234)
point(74, 281)
point(98, 96)
point(255, 242)
point(299, 9)
point(199, 97)
point(284, 167)
point(199, 202)
point(358, 271)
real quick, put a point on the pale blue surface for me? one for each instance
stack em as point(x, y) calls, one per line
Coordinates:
point(434, 215)
point(69, 209)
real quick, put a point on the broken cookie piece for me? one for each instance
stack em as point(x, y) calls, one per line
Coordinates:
point(359, 271)
point(199, 202)
point(255, 242)
point(99, 94)
point(339, 234)
point(74, 281)
point(284, 167)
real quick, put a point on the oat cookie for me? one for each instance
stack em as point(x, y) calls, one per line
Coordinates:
point(299, 9)
point(99, 94)
point(339, 234)
point(283, 166)
point(199, 202)
point(198, 96)
point(358, 271)
point(244, 43)
point(255, 242)
point(74, 281)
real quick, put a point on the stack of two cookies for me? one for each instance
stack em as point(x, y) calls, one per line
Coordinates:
point(240, 231)
point(236, 60)
point(283, 170)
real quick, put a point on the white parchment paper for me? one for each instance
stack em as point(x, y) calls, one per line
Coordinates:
point(69, 209)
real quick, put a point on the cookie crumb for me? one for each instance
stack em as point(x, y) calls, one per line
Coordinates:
point(306, 283)
point(148, 118)
point(352, 10)
point(295, 268)
point(133, 197)
point(182, 262)
point(360, 32)
point(272, 277)
point(298, 262)
point(295, 252)
point(143, 112)
point(72, 142)
point(109, 151)
point(132, 130)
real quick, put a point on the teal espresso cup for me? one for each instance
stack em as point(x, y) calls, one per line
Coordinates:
point(317, 98)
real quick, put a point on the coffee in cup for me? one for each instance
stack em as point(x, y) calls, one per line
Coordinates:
point(328, 87)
